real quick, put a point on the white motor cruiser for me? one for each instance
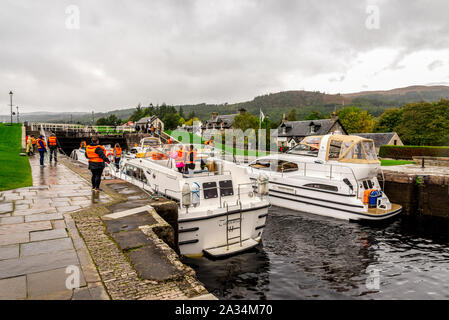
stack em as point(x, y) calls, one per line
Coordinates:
point(331, 175)
point(80, 154)
point(221, 211)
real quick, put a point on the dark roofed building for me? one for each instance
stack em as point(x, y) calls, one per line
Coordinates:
point(382, 138)
point(290, 133)
point(221, 122)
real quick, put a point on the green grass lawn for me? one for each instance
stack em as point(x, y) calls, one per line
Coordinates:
point(15, 170)
point(219, 146)
point(386, 163)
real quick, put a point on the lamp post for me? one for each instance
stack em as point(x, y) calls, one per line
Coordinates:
point(17, 108)
point(10, 96)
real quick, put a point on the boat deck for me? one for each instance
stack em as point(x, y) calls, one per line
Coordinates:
point(376, 211)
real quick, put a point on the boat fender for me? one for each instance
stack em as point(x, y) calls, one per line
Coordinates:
point(262, 184)
point(373, 198)
point(186, 195)
point(195, 189)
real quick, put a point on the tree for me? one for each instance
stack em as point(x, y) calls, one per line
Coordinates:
point(315, 115)
point(112, 120)
point(389, 120)
point(425, 123)
point(292, 115)
point(171, 120)
point(181, 113)
point(137, 114)
point(356, 121)
point(246, 121)
point(181, 121)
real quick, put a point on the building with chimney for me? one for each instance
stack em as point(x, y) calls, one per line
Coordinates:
point(290, 133)
point(221, 122)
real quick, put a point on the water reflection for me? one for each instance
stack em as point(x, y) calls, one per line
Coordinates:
point(307, 256)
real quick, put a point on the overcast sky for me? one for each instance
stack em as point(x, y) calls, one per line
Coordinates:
point(186, 51)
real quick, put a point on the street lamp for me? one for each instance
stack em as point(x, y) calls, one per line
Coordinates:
point(10, 96)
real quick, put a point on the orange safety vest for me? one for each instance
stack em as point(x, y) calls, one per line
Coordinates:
point(52, 141)
point(169, 141)
point(43, 143)
point(90, 153)
point(180, 157)
point(188, 161)
point(33, 141)
point(118, 152)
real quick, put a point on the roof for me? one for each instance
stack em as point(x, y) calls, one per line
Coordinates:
point(146, 120)
point(302, 128)
point(380, 139)
point(227, 119)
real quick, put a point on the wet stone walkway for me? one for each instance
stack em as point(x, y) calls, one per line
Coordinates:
point(42, 255)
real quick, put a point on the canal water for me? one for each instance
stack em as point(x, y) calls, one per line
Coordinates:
point(305, 256)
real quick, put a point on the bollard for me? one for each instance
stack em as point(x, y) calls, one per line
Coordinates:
point(422, 163)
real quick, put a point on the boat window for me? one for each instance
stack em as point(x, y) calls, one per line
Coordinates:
point(226, 188)
point(210, 190)
point(334, 149)
point(285, 166)
point(356, 152)
point(304, 150)
point(322, 186)
point(262, 164)
point(370, 150)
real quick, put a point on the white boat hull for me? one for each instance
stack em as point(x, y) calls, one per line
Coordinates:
point(207, 234)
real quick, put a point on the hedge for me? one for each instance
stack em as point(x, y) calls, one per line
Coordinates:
point(408, 152)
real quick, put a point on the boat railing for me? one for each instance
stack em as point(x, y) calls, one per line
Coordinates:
point(331, 172)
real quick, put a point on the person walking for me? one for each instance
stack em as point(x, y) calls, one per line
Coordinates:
point(42, 147)
point(152, 130)
point(53, 146)
point(179, 160)
point(117, 152)
point(33, 142)
point(190, 160)
point(29, 146)
point(97, 157)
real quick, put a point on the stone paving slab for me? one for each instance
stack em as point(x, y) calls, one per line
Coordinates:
point(13, 288)
point(47, 235)
point(40, 284)
point(43, 262)
point(44, 217)
point(24, 227)
point(45, 246)
point(9, 252)
point(6, 207)
point(12, 220)
point(14, 238)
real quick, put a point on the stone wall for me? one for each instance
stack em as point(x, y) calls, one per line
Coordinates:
point(419, 194)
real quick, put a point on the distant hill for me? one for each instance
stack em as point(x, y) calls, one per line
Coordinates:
point(275, 104)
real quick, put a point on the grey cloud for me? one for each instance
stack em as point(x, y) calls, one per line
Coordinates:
point(194, 51)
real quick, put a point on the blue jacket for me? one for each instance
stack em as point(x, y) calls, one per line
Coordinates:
point(41, 145)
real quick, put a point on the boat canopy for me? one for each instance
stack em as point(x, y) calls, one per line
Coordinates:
point(352, 149)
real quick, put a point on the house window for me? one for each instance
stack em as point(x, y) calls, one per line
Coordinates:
point(395, 142)
point(284, 130)
point(312, 129)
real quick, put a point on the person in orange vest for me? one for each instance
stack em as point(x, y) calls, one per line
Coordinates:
point(97, 157)
point(190, 159)
point(169, 141)
point(42, 147)
point(53, 146)
point(117, 153)
point(33, 142)
point(179, 160)
point(83, 144)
